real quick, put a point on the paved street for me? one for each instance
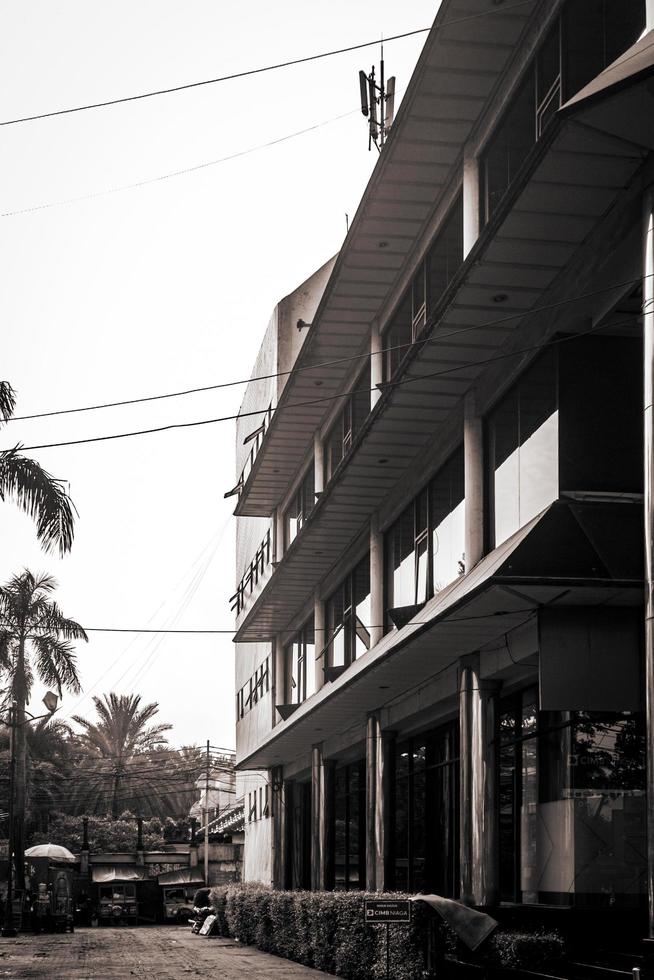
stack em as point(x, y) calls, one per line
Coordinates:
point(156, 953)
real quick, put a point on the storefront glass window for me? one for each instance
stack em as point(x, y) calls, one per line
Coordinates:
point(349, 837)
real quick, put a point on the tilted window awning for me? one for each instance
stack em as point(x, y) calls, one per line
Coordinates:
point(181, 876)
point(103, 874)
point(572, 554)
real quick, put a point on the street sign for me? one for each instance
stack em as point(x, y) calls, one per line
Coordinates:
point(387, 910)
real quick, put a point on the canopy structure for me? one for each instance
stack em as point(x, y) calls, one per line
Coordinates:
point(54, 852)
point(105, 873)
point(181, 876)
point(572, 554)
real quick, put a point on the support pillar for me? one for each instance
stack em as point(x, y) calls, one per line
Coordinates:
point(473, 455)
point(320, 637)
point(318, 464)
point(648, 423)
point(279, 534)
point(478, 781)
point(372, 738)
point(385, 780)
point(376, 362)
point(278, 816)
point(471, 217)
point(376, 582)
point(322, 821)
point(649, 15)
point(286, 871)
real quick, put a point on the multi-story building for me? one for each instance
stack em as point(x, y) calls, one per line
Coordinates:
point(443, 648)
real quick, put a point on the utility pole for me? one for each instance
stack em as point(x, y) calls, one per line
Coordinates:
point(8, 926)
point(206, 821)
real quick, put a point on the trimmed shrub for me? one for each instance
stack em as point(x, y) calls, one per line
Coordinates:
point(327, 930)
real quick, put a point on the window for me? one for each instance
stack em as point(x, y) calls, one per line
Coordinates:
point(424, 548)
point(426, 813)
point(522, 433)
point(347, 617)
point(571, 804)
point(349, 819)
point(348, 422)
point(589, 36)
point(254, 689)
point(300, 665)
point(300, 507)
point(445, 255)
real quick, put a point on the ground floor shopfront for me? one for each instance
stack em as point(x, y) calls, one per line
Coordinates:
point(515, 792)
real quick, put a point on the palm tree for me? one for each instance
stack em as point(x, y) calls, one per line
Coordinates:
point(34, 490)
point(120, 746)
point(35, 640)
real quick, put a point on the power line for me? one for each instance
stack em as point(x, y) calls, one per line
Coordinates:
point(255, 71)
point(326, 398)
point(176, 173)
point(320, 364)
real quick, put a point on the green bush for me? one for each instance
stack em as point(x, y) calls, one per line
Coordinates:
point(327, 930)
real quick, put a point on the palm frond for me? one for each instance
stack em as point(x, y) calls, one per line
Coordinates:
point(7, 400)
point(56, 663)
point(41, 496)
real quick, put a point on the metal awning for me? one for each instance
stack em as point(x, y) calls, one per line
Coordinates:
point(465, 54)
point(182, 876)
point(568, 184)
point(571, 554)
point(103, 874)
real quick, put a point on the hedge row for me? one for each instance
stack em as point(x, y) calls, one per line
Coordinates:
point(326, 930)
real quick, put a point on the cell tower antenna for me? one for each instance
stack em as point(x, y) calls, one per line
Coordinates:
point(377, 103)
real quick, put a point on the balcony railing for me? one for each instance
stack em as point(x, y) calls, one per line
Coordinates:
point(252, 574)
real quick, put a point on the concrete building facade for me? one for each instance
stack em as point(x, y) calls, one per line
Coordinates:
point(445, 659)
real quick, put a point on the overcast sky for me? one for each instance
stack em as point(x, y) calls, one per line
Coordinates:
point(164, 287)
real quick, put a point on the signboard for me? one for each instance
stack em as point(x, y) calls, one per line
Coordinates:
point(207, 925)
point(387, 910)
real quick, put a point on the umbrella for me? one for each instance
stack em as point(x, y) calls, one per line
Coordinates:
point(53, 851)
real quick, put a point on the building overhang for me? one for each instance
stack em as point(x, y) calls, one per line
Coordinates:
point(571, 180)
point(572, 554)
point(463, 58)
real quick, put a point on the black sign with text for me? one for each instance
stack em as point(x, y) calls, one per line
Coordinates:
point(387, 910)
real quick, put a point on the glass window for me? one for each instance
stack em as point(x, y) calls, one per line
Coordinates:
point(300, 507)
point(595, 33)
point(523, 452)
point(347, 424)
point(424, 548)
point(572, 805)
point(426, 813)
point(398, 337)
point(349, 837)
point(347, 615)
point(445, 255)
point(300, 665)
point(509, 146)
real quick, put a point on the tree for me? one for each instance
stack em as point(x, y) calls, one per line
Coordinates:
point(35, 640)
point(120, 746)
point(34, 490)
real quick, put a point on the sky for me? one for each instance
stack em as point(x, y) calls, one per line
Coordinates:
point(161, 288)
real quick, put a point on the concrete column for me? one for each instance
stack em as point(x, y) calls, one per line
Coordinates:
point(648, 422)
point(372, 738)
point(322, 821)
point(318, 463)
point(471, 218)
point(320, 640)
point(649, 15)
point(376, 582)
point(473, 455)
point(279, 534)
point(376, 363)
point(384, 806)
point(278, 827)
point(478, 786)
point(286, 871)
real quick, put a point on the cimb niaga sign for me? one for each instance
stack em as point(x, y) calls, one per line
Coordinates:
point(387, 910)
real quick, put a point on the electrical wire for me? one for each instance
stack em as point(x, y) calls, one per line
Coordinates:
point(255, 71)
point(331, 363)
point(177, 173)
point(412, 379)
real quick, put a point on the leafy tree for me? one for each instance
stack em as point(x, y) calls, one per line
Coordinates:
point(34, 490)
point(35, 640)
point(121, 765)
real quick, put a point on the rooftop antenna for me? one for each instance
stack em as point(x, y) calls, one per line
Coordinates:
point(377, 103)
